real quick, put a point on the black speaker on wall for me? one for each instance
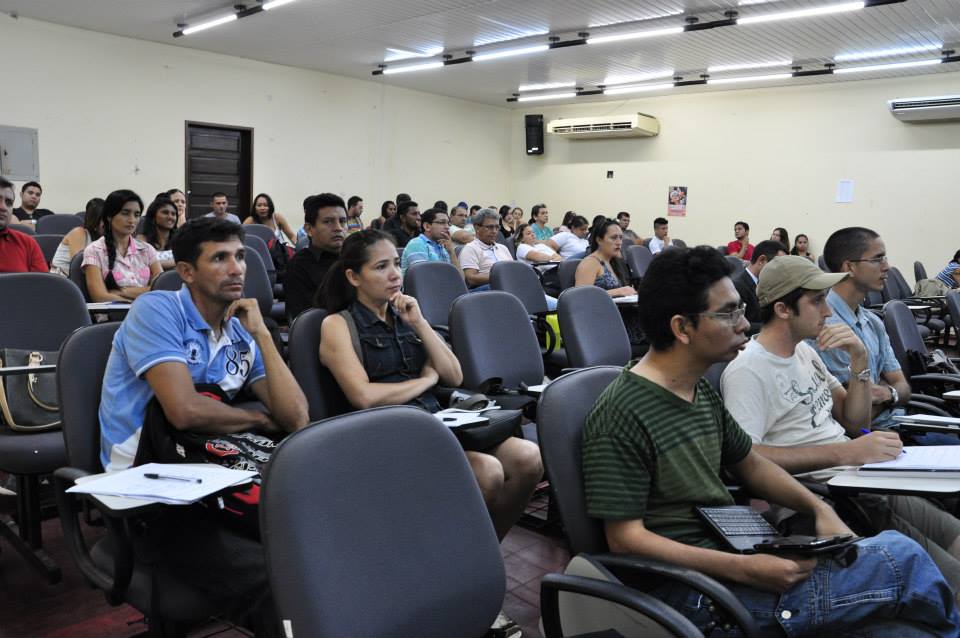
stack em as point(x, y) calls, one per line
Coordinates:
point(534, 127)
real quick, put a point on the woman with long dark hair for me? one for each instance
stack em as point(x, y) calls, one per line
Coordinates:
point(403, 360)
point(159, 227)
point(387, 210)
point(179, 199)
point(264, 212)
point(78, 238)
point(781, 235)
point(118, 267)
point(801, 247)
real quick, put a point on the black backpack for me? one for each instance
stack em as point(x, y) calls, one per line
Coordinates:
point(281, 254)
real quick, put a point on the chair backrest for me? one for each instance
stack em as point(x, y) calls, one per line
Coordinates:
point(919, 272)
point(592, 329)
point(714, 372)
point(722, 248)
point(874, 298)
point(492, 337)
point(520, 281)
point(261, 231)
point(953, 309)
point(398, 545)
point(58, 224)
point(567, 273)
point(48, 244)
point(512, 247)
point(903, 331)
point(259, 246)
point(646, 242)
point(823, 264)
point(80, 371)
point(47, 310)
point(638, 258)
point(257, 284)
point(561, 413)
point(168, 280)
point(435, 285)
point(736, 263)
point(27, 229)
point(77, 275)
point(899, 284)
point(678, 243)
point(324, 396)
point(626, 242)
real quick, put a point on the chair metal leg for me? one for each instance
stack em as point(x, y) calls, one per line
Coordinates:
point(26, 537)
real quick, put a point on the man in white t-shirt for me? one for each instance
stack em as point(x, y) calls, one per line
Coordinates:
point(800, 417)
point(661, 236)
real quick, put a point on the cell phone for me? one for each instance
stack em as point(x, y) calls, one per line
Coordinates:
point(801, 544)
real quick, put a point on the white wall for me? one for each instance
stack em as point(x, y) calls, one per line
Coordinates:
point(110, 113)
point(771, 157)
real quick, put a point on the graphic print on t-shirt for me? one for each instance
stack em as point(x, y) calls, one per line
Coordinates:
point(811, 391)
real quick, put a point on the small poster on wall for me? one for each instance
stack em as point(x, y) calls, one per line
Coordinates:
point(677, 201)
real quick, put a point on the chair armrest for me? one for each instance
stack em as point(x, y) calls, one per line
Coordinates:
point(629, 568)
point(926, 398)
point(553, 584)
point(18, 370)
point(927, 408)
point(935, 377)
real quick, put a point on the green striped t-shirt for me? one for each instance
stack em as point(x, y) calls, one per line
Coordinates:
point(648, 454)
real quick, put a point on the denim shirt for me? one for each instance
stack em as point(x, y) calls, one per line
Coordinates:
point(391, 355)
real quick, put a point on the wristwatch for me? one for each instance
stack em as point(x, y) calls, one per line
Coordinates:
point(863, 376)
point(894, 397)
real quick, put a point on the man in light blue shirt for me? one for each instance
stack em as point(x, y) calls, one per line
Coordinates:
point(433, 243)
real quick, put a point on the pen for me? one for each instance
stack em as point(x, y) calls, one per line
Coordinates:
point(866, 431)
point(167, 477)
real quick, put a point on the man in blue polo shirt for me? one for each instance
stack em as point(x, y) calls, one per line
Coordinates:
point(433, 243)
point(205, 333)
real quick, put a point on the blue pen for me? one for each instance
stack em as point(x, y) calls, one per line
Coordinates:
point(866, 431)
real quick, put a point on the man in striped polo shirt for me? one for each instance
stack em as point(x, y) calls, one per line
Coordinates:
point(653, 447)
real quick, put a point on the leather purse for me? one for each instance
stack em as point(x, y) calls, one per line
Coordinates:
point(28, 402)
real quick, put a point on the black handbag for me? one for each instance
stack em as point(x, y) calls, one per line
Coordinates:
point(503, 424)
point(28, 402)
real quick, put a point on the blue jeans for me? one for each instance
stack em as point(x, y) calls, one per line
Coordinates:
point(893, 589)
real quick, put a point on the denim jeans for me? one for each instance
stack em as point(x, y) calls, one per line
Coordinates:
point(893, 589)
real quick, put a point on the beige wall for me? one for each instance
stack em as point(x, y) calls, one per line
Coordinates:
point(110, 113)
point(771, 157)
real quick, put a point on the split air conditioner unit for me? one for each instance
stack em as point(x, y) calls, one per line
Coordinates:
point(584, 128)
point(925, 109)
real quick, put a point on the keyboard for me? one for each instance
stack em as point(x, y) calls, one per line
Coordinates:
point(737, 520)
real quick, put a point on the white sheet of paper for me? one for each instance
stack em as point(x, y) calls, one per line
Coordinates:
point(922, 458)
point(625, 299)
point(133, 483)
point(456, 419)
point(845, 191)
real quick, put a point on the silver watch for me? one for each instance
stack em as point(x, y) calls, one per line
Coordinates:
point(894, 397)
point(864, 375)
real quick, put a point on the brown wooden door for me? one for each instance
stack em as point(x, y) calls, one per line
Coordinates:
point(218, 158)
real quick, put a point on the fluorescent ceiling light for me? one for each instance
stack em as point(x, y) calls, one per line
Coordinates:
point(547, 96)
point(803, 13)
point(883, 53)
point(638, 89)
point(743, 67)
point(390, 70)
point(652, 33)
point(611, 80)
point(887, 67)
point(752, 78)
point(506, 53)
point(209, 24)
point(399, 54)
point(545, 86)
point(273, 4)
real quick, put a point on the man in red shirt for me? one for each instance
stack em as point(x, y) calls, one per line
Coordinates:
point(18, 251)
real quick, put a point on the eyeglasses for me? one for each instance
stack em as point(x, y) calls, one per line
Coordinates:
point(731, 318)
point(873, 260)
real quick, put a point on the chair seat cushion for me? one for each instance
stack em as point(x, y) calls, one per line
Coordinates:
point(24, 453)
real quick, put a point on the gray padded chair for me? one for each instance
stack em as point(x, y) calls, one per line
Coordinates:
point(259, 246)
point(58, 224)
point(77, 275)
point(567, 273)
point(919, 272)
point(678, 243)
point(645, 242)
point(592, 329)
point(405, 550)
point(110, 564)
point(169, 280)
point(435, 285)
point(261, 231)
point(324, 396)
point(714, 373)
point(26, 229)
point(562, 411)
point(49, 244)
point(522, 282)
point(55, 309)
point(736, 264)
point(638, 259)
point(822, 263)
point(897, 288)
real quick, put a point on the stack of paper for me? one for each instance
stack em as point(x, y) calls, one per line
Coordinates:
point(924, 461)
point(170, 483)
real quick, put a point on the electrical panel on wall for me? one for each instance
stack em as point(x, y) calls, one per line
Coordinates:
point(19, 153)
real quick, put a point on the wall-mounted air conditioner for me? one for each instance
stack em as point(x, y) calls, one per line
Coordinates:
point(925, 109)
point(583, 128)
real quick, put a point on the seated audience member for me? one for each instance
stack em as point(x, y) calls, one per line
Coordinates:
point(746, 281)
point(28, 213)
point(661, 236)
point(564, 225)
point(781, 235)
point(479, 256)
point(354, 213)
point(264, 213)
point(604, 266)
point(387, 210)
point(118, 267)
point(180, 201)
point(407, 223)
point(801, 247)
point(325, 220)
point(365, 283)
point(432, 244)
point(623, 218)
point(572, 243)
point(19, 252)
point(219, 204)
point(861, 253)
point(461, 230)
point(159, 227)
point(530, 251)
point(653, 448)
point(802, 419)
point(510, 223)
point(950, 274)
point(79, 238)
point(170, 341)
point(402, 197)
point(441, 205)
point(539, 220)
point(741, 246)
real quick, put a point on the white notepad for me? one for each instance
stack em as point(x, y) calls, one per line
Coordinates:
point(198, 481)
point(453, 418)
point(924, 461)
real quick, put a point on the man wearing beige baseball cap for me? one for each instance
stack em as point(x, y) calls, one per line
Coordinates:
point(800, 416)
